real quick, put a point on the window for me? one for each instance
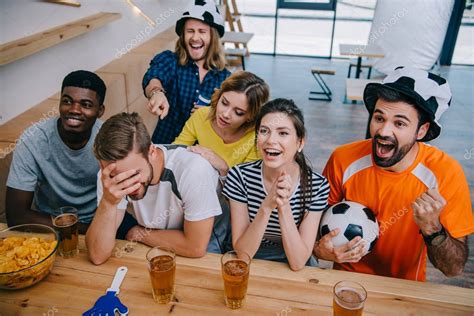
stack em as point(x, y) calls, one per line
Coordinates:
point(463, 51)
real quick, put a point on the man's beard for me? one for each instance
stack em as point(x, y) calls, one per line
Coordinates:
point(398, 154)
point(145, 184)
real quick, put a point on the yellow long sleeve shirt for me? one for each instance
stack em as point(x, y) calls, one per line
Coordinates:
point(198, 129)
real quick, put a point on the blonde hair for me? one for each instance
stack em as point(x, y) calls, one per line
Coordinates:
point(214, 56)
point(255, 89)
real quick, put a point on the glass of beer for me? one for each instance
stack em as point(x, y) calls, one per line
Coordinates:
point(235, 272)
point(65, 221)
point(162, 268)
point(348, 299)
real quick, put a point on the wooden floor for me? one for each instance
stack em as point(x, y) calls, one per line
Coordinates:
point(331, 124)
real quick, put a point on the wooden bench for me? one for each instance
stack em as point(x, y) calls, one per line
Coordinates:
point(6, 150)
point(317, 72)
point(237, 37)
point(29, 45)
point(132, 66)
point(363, 65)
point(355, 92)
point(355, 88)
point(237, 52)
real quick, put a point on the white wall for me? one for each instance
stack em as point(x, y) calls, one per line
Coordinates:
point(26, 82)
point(420, 47)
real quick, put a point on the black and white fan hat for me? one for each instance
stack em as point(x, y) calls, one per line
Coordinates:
point(430, 92)
point(205, 11)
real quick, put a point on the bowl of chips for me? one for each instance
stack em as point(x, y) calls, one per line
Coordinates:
point(27, 254)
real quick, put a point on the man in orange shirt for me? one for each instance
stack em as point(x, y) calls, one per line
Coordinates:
point(418, 193)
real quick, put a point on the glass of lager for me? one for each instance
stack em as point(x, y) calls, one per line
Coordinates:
point(235, 272)
point(348, 299)
point(65, 221)
point(162, 268)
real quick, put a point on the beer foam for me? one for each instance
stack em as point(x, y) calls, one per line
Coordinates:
point(235, 267)
point(65, 220)
point(349, 298)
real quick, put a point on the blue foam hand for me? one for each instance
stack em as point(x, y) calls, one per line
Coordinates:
point(107, 304)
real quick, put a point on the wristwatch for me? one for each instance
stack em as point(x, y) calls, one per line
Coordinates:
point(436, 238)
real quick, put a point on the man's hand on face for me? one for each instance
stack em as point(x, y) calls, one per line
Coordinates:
point(426, 211)
point(120, 185)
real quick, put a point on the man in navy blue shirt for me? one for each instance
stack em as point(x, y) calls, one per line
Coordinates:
point(175, 80)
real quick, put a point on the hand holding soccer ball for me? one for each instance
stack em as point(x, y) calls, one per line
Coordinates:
point(349, 231)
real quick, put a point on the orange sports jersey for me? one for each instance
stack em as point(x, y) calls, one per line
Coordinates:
point(400, 251)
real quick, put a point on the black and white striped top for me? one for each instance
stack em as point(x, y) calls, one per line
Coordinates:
point(245, 184)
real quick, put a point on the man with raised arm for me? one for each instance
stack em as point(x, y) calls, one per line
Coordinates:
point(419, 194)
point(175, 80)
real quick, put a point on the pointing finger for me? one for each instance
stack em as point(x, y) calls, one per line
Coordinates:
point(164, 113)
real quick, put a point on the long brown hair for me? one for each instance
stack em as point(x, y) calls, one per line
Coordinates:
point(255, 89)
point(289, 108)
point(214, 56)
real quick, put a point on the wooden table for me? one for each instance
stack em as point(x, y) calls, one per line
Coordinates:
point(360, 51)
point(75, 284)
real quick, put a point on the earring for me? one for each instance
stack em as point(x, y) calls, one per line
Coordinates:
point(300, 149)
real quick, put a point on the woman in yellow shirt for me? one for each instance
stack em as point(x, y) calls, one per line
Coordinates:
point(224, 131)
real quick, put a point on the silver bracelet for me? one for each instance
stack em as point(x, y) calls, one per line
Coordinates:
point(155, 91)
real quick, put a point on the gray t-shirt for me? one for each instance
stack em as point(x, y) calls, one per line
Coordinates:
point(59, 175)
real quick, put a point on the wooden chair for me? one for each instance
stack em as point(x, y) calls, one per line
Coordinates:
point(237, 53)
point(355, 88)
point(234, 17)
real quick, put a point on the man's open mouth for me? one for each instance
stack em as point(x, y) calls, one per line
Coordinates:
point(384, 148)
point(196, 46)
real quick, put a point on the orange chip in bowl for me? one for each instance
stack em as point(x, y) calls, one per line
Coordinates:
point(27, 254)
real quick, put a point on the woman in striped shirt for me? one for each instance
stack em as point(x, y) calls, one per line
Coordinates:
point(276, 203)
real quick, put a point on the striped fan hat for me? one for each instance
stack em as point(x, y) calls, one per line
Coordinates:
point(205, 11)
point(430, 92)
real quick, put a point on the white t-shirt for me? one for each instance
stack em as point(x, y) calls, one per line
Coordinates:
point(187, 190)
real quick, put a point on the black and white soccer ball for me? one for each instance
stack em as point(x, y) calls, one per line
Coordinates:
point(353, 219)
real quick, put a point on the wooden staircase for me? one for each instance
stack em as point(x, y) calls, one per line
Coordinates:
point(29, 45)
